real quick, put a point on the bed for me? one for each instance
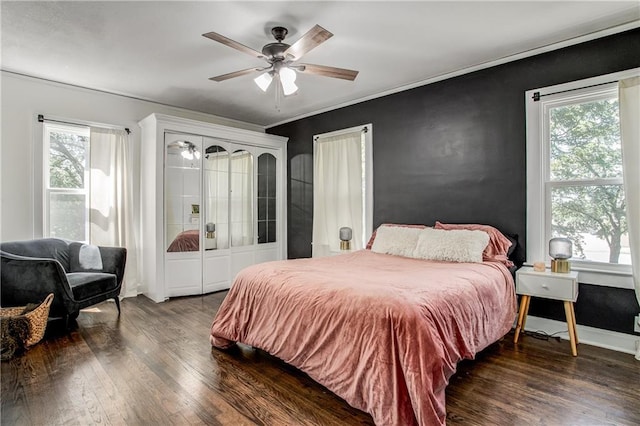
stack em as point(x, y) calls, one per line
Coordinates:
point(382, 331)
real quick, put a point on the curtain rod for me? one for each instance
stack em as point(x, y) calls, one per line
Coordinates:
point(42, 119)
point(364, 129)
point(536, 95)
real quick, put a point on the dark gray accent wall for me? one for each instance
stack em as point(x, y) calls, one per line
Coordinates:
point(607, 308)
point(455, 151)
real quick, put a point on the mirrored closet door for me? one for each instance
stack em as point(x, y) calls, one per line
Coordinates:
point(220, 206)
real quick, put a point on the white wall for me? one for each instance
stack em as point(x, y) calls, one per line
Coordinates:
point(23, 98)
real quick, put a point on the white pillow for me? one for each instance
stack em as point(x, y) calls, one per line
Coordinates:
point(452, 246)
point(396, 240)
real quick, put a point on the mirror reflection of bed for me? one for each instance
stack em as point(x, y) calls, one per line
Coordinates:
point(185, 241)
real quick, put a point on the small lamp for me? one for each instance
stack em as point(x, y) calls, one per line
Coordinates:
point(561, 250)
point(345, 238)
point(210, 241)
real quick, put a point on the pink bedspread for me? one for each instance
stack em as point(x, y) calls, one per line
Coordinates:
point(383, 332)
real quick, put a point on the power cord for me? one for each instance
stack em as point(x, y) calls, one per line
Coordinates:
point(543, 335)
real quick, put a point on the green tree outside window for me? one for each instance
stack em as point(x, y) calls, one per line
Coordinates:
point(584, 146)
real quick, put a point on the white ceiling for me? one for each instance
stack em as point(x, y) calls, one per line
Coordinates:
point(154, 50)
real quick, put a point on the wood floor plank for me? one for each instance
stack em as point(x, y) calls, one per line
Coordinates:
point(153, 365)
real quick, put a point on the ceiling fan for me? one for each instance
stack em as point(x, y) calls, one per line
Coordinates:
point(282, 59)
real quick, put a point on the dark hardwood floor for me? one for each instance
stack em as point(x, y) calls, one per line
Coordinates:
point(154, 365)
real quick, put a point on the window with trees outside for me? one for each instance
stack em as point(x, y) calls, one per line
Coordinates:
point(574, 174)
point(66, 182)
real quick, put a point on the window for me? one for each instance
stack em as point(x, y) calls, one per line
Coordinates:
point(66, 182)
point(585, 178)
point(575, 184)
point(342, 188)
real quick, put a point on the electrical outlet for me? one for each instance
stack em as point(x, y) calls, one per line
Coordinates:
point(636, 324)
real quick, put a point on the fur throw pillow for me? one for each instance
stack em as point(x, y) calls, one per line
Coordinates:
point(396, 240)
point(451, 246)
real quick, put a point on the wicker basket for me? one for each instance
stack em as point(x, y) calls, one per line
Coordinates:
point(37, 319)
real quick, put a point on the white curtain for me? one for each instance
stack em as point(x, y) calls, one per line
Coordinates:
point(217, 195)
point(629, 101)
point(241, 199)
point(111, 212)
point(337, 191)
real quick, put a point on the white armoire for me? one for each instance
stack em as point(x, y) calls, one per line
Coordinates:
point(212, 203)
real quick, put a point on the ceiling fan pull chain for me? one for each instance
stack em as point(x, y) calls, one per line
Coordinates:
point(278, 91)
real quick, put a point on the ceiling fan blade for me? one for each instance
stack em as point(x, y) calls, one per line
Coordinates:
point(233, 44)
point(334, 72)
point(234, 74)
point(313, 38)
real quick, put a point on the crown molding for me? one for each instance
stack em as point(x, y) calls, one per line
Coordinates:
point(511, 58)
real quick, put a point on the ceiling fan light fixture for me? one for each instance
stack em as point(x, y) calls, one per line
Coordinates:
point(282, 60)
point(289, 89)
point(288, 78)
point(263, 81)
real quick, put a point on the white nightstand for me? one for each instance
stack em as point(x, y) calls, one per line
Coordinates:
point(550, 285)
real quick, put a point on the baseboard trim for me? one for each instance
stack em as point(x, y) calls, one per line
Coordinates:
point(613, 340)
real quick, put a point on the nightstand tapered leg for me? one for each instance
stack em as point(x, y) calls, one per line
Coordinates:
point(573, 321)
point(522, 316)
point(568, 309)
